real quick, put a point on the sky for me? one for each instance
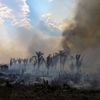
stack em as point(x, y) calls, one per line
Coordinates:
point(27, 25)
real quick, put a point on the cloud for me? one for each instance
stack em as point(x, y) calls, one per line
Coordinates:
point(47, 18)
point(5, 14)
point(49, 21)
point(17, 18)
point(25, 7)
point(24, 14)
point(50, 0)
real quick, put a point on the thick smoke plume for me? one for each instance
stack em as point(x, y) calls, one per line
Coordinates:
point(85, 33)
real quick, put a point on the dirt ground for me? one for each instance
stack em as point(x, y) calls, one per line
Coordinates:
point(46, 93)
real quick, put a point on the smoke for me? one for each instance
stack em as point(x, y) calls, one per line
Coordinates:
point(85, 33)
point(34, 40)
point(24, 43)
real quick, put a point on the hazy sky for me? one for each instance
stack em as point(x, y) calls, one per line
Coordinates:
point(22, 18)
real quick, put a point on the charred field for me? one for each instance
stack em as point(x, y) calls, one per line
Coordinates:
point(47, 92)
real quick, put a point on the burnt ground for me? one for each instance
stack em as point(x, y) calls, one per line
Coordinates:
point(41, 92)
